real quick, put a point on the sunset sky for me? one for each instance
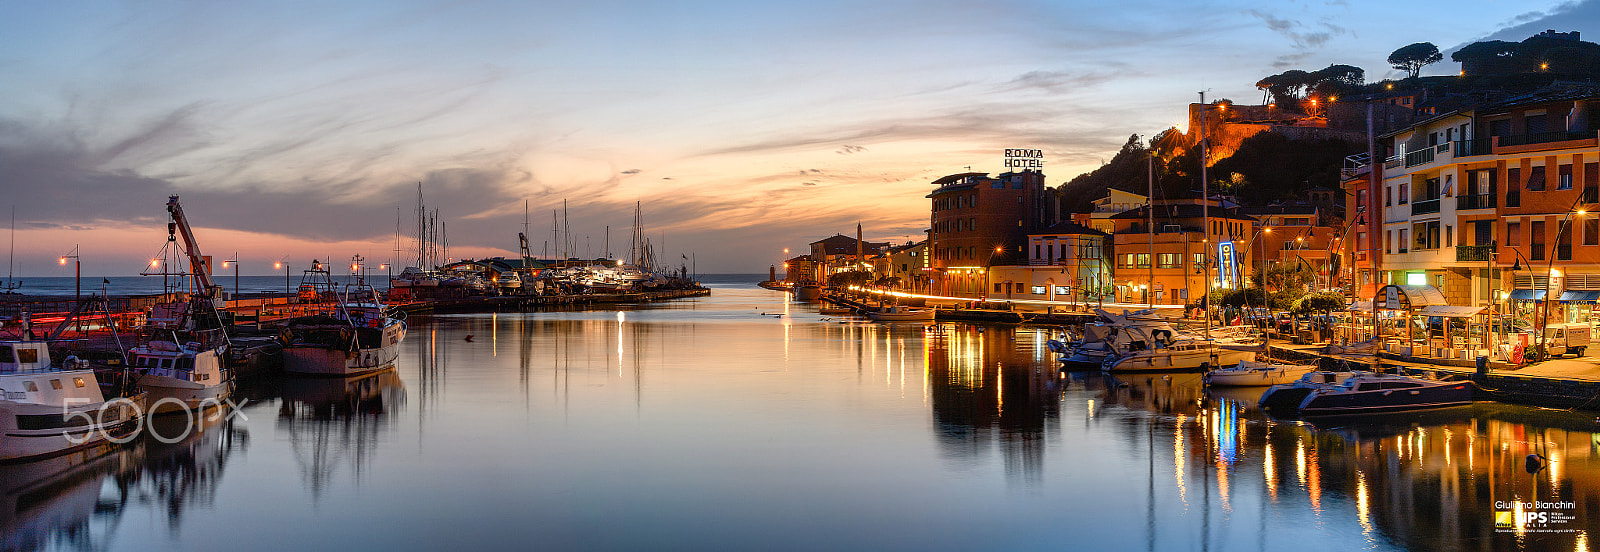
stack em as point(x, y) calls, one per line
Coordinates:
point(301, 129)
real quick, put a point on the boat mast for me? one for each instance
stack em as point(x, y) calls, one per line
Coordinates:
point(1205, 211)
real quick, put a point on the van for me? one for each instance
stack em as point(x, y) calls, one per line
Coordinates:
point(1562, 339)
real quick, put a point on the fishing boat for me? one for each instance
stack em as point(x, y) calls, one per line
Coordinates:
point(808, 291)
point(46, 410)
point(900, 313)
point(1374, 393)
point(1178, 356)
point(1252, 374)
point(1288, 396)
point(358, 335)
point(179, 360)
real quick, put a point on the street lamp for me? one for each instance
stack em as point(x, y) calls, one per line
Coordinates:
point(77, 283)
point(285, 266)
point(1550, 269)
point(235, 262)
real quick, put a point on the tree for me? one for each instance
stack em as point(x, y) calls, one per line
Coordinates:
point(1318, 303)
point(1412, 58)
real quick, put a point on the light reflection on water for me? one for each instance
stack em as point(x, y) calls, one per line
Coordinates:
point(743, 420)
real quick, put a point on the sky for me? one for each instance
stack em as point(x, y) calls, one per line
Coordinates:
point(294, 130)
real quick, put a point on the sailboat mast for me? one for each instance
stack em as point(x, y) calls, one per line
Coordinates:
point(1205, 210)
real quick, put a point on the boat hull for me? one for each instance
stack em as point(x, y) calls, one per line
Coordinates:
point(1255, 377)
point(171, 395)
point(901, 316)
point(322, 359)
point(1178, 361)
point(33, 431)
point(1387, 400)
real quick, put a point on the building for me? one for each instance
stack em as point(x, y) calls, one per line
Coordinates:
point(1494, 206)
point(838, 253)
point(1165, 262)
point(1116, 201)
point(1066, 262)
point(978, 222)
point(1293, 235)
point(906, 266)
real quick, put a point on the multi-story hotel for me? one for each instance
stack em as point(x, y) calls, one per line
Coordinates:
point(978, 222)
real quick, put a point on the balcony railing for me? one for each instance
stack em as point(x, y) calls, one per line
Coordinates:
point(1513, 198)
point(1564, 252)
point(1479, 201)
point(1480, 146)
point(1544, 137)
point(1424, 207)
point(1591, 194)
point(1537, 253)
point(1419, 157)
point(1468, 253)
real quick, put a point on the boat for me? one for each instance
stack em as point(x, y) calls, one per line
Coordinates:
point(808, 291)
point(1287, 396)
point(1178, 356)
point(1358, 348)
point(899, 313)
point(1373, 393)
point(1250, 374)
point(179, 360)
point(359, 335)
point(1114, 334)
point(47, 411)
point(835, 311)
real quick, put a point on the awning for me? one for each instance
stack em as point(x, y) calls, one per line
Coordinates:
point(1361, 306)
point(1580, 296)
point(1395, 297)
point(1450, 311)
point(1527, 295)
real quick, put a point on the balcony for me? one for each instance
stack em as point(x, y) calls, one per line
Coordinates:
point(1470, 253)
point(1544, 138)
point(1468, 148)
point(1419, 157)
point(1564, 252)
point(1479, 201)
point(1536, 252)
point(1425, 207)
point(1591, 194)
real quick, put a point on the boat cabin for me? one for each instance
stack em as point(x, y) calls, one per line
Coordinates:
point(24, 356)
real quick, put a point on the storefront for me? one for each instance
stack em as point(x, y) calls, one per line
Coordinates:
point(1417, 321)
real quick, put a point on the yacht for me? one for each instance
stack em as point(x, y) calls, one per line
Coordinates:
point(46, 411)
point(359, 336)
point(1177, 356)
point(1371, 393)
point(1115, 334)
point(1290, 395)
point(1253, 374)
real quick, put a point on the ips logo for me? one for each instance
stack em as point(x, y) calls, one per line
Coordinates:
point(1507, 519)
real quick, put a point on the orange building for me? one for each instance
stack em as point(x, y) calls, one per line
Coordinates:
point(977, 222)
point(1164, 260)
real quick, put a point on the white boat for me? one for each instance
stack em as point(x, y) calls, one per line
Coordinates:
point(1178, 356)
point(1252, 374)
point(899, 313)
point(181, 377)
point(1115, 334)
point(360, 336)
point(46, 411)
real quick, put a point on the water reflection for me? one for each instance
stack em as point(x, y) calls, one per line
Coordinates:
point(332, 422)
point(987, 391)
point(78, 501)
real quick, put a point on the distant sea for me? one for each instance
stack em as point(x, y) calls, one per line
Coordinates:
point(139, 285)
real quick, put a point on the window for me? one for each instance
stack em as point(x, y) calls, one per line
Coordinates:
point(29, 385)
point(1538, 233)
point(1405, 193)
point(1388, 238)
point(1591, 231)
point(27, 356)
point(1536, 179)
point(77, 382)
point(1449, 236)
point(1361, 198)
point(1143, 260)
point(1388, 196)
point(5, 354)
point(1426, 235)
point(1169, 260)
point(1513, 234)
point(1401, 244)
point(1564, 177)
point(1039, 290)
point(55, 384)
point(999, 287)
point(1483, 232)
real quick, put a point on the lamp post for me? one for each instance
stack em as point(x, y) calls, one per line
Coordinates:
point(1550, 268)
point(285, 266)
point(235, 262)
point(77, 283)
point(1261, 262)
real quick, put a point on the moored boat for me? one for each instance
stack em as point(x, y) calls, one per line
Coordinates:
point(900, 313)
point(357, 336)
point(46, 411)
point(1250, 374)
point(1374, 393)
point(1179, 356)
point(1287, 396)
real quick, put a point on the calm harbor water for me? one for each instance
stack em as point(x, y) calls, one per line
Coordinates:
point(715, 424)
